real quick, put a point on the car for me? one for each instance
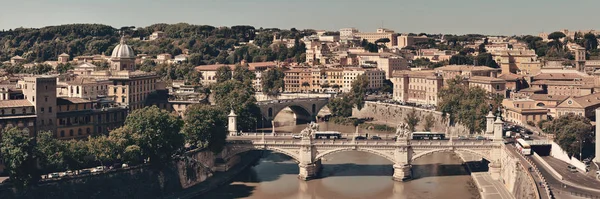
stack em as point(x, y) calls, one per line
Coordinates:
point(375, 137)
point(296, 136)
point(360, 137)
point(98, 169)
point(480, 138)
point(124, 165)
point(572, 168)
point(526, 137)
point(54, 175)
point(85, 171)
point(462, 138)
point(69, 173)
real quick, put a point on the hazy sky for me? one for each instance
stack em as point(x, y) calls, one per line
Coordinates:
point(494, 17)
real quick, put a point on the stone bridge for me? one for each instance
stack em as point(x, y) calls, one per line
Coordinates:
point(309, 152)
point(305, 109)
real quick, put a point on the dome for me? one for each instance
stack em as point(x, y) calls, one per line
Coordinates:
point(123, 51)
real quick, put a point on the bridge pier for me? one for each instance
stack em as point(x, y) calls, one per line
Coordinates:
point(309, 171)
point(402, 172)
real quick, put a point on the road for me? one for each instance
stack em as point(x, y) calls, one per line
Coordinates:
point(538, 179)
point(560, 188)
point(587, 180)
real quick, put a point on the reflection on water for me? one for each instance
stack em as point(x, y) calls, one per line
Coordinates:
point(351, 175)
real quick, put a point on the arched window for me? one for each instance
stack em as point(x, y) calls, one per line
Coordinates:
point(13, 111)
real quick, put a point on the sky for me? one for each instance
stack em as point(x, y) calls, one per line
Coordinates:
point(491, 17)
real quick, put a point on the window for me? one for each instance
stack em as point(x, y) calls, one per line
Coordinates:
point(71, 132)
point(88, 131)
point(79, 132)
point(24, 110)
point(46, 98)
point(33, 98)
point(50, 122)
point(49, 109)
point(13, 111)
point(62, 133)
point(42, 110)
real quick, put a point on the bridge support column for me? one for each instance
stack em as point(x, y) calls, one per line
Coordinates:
point(402, 172)
point(494, 170)
point(309, 171)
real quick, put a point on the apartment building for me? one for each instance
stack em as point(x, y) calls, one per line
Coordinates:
point(375, 77)
point(420, 87)
point(523, 111)
point(387, 62)
point(520, 61)
point(452, 71)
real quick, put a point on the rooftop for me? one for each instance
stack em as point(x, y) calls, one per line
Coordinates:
point(15, 103)
point(486, 79)
point(71, 100)
point(465, 68)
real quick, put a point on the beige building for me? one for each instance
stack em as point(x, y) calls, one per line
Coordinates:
point(157, 35)
point(523, 111)
point(379, 34)
point(375, 77)
point(489, 84)
point(87, 88)
point(405, 40)
point(387, 62)
point(452, 71)
point(420, 87)
point(579, 105)
point(434, 55)
point(523, 62)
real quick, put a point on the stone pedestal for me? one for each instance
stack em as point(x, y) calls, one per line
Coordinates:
point(309, 171)
point(402, 172)
point(489, 125)
point(494, 170)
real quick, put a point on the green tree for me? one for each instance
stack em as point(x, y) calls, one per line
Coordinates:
point(102, 148)
point(468, 106)
point(223, 74)
point(591, 42)
point(132, 155)
point(412, 119)
point(159, 133)
point(481, 48)
point(461, 60)
point(63, 68)
point(429, 122)
point(76, 152)
point(272, 82)
point(244, 75)
point(51, 152)
point(205, 127)
point(238, 96)
point(556, 36)
point(19, 155)
point(340, 106)
point(486, 59)
point(573, 133)
point(359, 90)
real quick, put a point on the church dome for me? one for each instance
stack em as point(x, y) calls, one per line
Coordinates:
point(123, 51)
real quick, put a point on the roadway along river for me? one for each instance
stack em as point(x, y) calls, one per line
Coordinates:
point(349, 175)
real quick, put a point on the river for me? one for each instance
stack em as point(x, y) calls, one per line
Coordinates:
point(350, 175)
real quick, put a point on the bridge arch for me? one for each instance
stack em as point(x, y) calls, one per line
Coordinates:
point(304, 109)
point(422, 154)
point(240, 150)
point(387, 156)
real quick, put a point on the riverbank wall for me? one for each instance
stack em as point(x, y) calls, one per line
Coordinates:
point(516, 178)
point(142, 181)
point(393, 114)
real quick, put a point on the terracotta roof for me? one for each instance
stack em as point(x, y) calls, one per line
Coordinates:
point(71, 100)
point(531, 89)
point(588, 100)
point(253, 66)
point(17, 57)
point(15, 103)
point(420, 73)
point(485, 79)
point(86, 65)
point(64, 55)
point(558, 76)
point(546, 97)
point(510, 76)
point(465, 68)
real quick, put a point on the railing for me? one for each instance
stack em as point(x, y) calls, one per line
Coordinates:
point(537, 171)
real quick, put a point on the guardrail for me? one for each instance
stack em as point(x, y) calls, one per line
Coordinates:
point(534, 168)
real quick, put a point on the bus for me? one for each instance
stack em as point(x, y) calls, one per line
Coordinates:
point(328, 134)
point(428, 136)
point(523, 147)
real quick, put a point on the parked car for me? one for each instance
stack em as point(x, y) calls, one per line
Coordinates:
point(375, 137)
point(572, 168)
point(526, 137)
point(54, 175)
point(85, 171)
point(360, 137)
point(69, 173)
point(124, 166)
point(296, 136)
point(480, 138)
point(462, 138)
point(98, 169)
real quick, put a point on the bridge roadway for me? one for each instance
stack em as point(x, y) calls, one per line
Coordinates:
point(308, 152)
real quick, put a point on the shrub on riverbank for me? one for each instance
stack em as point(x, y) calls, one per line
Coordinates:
point(361, 123)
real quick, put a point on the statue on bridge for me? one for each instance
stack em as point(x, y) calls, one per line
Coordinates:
point(309, 131)
point(403, 131)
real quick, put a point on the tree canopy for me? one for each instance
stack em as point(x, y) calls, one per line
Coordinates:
point(20, 157)
point(573, 133)
point(205, 127)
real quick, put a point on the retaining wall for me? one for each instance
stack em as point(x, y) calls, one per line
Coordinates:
point(393, 114)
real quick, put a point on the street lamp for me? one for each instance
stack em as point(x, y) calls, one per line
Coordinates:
point(580, 148)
